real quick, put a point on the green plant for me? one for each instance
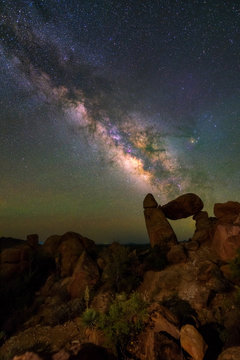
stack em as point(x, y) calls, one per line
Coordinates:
point(86, 296)
point(123, 321)
point(90, 317)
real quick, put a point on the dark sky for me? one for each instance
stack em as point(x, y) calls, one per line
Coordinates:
point(104, 101)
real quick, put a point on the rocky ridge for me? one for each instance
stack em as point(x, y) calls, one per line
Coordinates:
point(189, 290)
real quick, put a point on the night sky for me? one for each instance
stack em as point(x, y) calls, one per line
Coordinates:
point(104, 101)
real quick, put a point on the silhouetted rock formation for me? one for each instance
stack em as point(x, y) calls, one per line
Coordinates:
point(189, 289)
point(184, 206)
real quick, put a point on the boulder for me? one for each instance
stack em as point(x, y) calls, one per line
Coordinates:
point(202, 220)
point(227, 212)
point(149, 202)
point(226, 241)
point(70, 248)
point(192, 342)
point(50, 246)
point(232, 353)
point(85, 274)
point(183, 206)
point(159, 230)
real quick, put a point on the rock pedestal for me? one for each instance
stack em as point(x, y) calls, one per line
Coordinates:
point(159, 230)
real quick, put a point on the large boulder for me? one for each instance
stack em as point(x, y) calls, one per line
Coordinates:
point(227, 212)
point(232, 353)
point(192, 342)
point(71, 247)
point(85, 274)
point(183, 206)
point(226, 241)
point(51, 245)
point(159, 230)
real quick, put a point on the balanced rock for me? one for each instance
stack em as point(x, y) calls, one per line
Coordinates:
point(85, 274)
point(227, 212)
point(183, 206)
point(159, 230)
point(192, 342)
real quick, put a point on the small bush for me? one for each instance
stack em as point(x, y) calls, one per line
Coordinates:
point(124, 321)
point(90, 317)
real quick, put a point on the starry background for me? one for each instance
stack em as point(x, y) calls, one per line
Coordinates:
point(104, 101)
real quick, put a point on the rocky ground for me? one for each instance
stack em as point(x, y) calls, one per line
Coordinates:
point(71, 299)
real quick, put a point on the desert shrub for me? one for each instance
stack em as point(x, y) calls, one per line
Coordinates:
point(181, 309)
point(123, 321)
point(156, 259)
point(90, 317)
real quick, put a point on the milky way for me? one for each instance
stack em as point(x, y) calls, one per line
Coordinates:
point(127, 97)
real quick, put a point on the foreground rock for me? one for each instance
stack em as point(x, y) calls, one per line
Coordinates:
point(192, 342)
point(159, 230)
point(183, 206)
point(232, 353)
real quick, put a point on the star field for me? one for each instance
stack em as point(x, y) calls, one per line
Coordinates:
point(104, 101)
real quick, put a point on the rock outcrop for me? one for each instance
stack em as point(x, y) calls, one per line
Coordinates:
point(183, 206)
point(159, 230)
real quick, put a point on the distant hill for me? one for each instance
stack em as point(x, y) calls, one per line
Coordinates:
point(9, 242)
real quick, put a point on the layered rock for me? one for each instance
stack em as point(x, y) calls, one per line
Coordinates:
point(184, 206)
point(159, 230)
